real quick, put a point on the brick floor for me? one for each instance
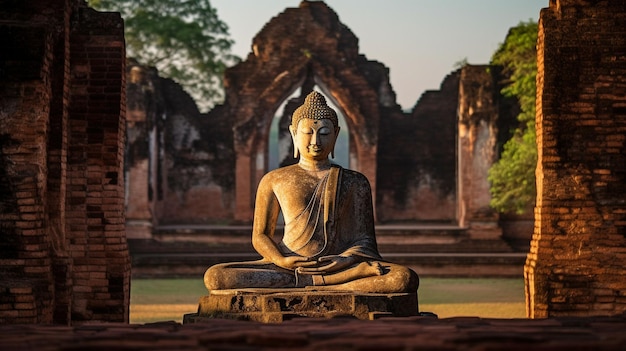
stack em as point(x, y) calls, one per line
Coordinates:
point(409, 333)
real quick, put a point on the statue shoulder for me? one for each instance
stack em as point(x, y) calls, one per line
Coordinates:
point(279, 174)
point(354, 178)
point(351, 174)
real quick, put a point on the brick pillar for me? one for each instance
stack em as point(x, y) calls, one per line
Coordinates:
point(26, 285)
point(57, 176)
point(477, 136)
point(95, 213)
point(578, 251)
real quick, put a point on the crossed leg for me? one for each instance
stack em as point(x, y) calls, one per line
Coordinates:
point(367, 276)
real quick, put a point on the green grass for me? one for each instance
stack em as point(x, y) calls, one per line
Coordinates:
point(153, 300)
point(168, 299)
point(484, 297)
point(166, 291)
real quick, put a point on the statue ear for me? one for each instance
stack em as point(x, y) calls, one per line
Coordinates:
point(332, 150)
point(292, 131)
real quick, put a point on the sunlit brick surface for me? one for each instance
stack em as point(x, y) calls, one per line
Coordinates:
point(578, 252)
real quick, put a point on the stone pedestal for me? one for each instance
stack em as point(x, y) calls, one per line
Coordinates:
point(277, 305)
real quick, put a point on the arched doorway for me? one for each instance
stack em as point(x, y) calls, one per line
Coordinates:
point(316, 51)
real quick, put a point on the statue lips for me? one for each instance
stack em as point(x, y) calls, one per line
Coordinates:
point(315, 149)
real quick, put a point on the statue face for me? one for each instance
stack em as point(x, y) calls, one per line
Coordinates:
point(314, 139)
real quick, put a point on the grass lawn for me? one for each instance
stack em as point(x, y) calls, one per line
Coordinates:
point(154, 300)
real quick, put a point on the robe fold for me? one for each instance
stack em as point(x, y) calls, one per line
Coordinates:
point(338, 219)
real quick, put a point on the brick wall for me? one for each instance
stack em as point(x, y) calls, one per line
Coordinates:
point(63, 248)
point(175, 157)
point(95, 157)
point(57, 171)
point(409, 158)
point(417, 159)
point(26, 292)
point(578, 251)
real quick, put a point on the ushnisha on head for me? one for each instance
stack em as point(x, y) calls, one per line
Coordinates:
point(314, 107)
point(314, 128)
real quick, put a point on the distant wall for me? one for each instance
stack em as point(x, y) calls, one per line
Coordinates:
point(184, 167)
point(417, 159)
point(180, 163)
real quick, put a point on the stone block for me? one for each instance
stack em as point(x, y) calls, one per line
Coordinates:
point(277, 305)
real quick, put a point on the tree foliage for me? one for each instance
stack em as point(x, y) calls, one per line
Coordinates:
point(184, 39)
point(512, 178)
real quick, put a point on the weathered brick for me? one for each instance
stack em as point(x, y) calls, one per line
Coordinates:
point(49, 169)
point(575, 224)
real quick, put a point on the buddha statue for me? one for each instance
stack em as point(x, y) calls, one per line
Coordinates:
point(329, 242)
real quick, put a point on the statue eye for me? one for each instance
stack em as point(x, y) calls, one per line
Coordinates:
point(324, 131)
point(306, 131)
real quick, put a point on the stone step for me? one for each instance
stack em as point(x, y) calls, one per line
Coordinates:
point(504, 264)
point(437, 249)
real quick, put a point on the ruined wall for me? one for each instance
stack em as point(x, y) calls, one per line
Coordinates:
point(179, 162)
point(27, 282)
point(195, 189)
point(417, 159)
point(578, 251)
point(433, 162)
point(63, 253)
point(409, 160)
point(183, 167)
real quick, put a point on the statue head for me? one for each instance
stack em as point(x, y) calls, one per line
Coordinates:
point(314, 107)
point(314, 125)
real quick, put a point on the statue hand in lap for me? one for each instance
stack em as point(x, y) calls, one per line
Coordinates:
point(328, 241)
point(329, 264)
point(293, 262)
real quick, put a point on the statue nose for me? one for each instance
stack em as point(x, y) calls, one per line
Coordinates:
point(315, 139)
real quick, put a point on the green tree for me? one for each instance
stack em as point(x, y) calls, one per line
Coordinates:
point(512, 178)
point(184, 39)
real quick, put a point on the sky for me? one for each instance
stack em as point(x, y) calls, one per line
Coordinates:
point(420, 41)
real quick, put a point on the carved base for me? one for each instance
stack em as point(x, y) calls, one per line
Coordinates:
point(277, 305)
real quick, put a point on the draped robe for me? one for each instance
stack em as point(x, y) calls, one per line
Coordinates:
point(337, 220)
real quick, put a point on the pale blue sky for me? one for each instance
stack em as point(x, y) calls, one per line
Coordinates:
point(419, 40)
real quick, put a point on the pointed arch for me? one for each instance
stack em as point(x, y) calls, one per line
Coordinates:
point(300, 44)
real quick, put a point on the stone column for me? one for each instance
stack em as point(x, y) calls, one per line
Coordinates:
point(477, 133)
point(140, 153)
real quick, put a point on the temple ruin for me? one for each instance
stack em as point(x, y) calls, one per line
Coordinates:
point(185, 167)
point(63, 251)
